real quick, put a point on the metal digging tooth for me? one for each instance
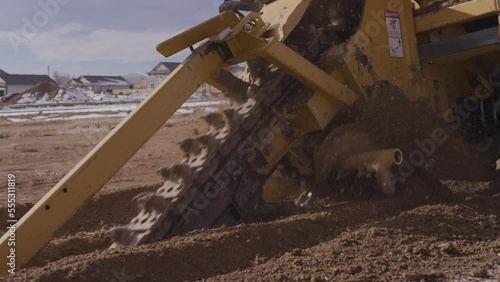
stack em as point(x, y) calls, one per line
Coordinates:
point(150, 202)
point(232, 116)
point(153, 205)
point(121, 235)
point(205, 163)
point(163, 171)
point(218, 124)
point(215, 120)
point(245, 109)
point(177, 172)
point(228, 136)
point(191, 147)
point(209, 142)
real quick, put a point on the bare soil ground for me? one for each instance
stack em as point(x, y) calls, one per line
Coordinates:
point(433, 231)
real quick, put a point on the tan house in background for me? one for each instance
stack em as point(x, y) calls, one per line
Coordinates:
point(99, 83)
point(159, 73)
point(3, 87)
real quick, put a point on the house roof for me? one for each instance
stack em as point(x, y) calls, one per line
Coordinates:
point(104, 80)
point(75, 80)
point(25, 79)
point(171, 66)
point(2, 71)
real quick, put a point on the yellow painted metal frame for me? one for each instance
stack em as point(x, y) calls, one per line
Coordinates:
point(308, 73)
point(464, 56)
point(457, 14)
point(284, 15)
point(302, 121)
point(198, 33)
point(367, 58)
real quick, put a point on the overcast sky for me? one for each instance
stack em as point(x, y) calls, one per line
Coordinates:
point(93, 36)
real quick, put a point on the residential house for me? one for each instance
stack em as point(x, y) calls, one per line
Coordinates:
point(18, 83)
point(139, 81)
point(3, 87)
point(159, 73)
point(99, 83)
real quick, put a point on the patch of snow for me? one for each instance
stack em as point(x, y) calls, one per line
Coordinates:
point(75, 95)
point(75, 117)
point(104, 97)
point(204, 103)
point(112, 81)
point(82, 94)
point(44, 99)
point(138, 96)
point(59, 94)
point(27, 99)
point(52, 111)
point(183, 111)
point(10, 112)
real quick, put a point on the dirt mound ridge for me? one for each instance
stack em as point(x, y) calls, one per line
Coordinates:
point(44, 87)
point(429, 243)
point(244, 249)
point(364, 241)
point(42, 91)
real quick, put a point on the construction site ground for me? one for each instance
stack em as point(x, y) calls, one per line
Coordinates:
point(433, 231)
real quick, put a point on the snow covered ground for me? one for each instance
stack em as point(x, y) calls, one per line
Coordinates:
point(76, 95)
point(33, 107)
point(80, 95)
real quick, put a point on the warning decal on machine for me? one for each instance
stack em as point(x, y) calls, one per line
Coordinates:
point(394, 34)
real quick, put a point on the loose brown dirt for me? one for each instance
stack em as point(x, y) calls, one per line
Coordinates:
point(433, 231)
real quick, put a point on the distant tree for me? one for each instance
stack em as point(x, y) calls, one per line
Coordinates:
point(60, 78)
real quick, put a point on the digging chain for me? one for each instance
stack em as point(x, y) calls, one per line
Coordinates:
point(217, 183)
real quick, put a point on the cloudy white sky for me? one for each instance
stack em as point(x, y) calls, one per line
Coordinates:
point(93, 36)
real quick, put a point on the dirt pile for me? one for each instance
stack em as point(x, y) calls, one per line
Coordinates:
point(430, 243)
point(383, 240)
point(43, 91)
point(43, 88)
